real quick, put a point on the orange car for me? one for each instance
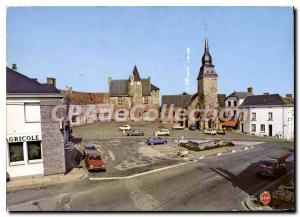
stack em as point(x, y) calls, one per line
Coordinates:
point(94, 162)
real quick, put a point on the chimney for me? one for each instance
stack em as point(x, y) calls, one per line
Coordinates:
point(250, 91)
point(51, 81)
point(14, 67)
point(289, 95)
point(266, 93)
point(34, 79)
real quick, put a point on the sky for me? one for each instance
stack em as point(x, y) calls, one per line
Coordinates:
point(82, 46)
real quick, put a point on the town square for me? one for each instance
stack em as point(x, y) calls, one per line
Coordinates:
point(150, 109)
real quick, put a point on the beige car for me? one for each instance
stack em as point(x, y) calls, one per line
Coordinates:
point(162, 132)
point(210, 131)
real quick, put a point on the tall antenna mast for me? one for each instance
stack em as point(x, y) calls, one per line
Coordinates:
point(187, 70)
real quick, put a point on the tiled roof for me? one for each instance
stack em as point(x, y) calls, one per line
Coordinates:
point(17, 83)
point(182, 101)
point(76, 97)
point(258, 100)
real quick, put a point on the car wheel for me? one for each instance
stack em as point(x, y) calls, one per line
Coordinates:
point(165, 142)
point(152, 143)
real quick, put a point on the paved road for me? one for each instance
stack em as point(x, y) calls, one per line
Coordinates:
point(218, 184)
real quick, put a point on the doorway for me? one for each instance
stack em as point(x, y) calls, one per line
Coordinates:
point(270, 130)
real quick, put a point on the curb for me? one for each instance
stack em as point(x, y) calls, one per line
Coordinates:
point(37, 185)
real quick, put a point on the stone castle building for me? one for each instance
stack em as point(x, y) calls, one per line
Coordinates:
point(125, 93)
point(206, 97)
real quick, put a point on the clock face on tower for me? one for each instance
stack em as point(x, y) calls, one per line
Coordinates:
point(131, 78)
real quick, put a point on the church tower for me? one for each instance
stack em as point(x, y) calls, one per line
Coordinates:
point(207, 84)
point(135, 87)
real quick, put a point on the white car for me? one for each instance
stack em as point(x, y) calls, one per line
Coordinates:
point(124, 127)
point(177, 127)
point(162, 132)
point(210, 131)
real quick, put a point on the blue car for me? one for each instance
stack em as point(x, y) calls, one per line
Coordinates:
point(193, 127)
point(156, 140)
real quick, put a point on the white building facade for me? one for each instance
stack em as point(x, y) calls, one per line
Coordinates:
point(267, 115)
point(34, 142)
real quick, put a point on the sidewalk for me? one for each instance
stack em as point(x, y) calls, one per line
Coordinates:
point(40, 180)
point(251, 202)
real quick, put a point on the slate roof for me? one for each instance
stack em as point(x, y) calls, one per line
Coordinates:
point(221, 100)
point(261, 100)
point(19, 84)
point(239, 95)
point(136, 74)
point(182, 101)
point(118, 87)
point(153, 87)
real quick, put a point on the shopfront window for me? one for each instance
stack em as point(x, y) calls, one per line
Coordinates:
point(16, 153)
point(34, 150)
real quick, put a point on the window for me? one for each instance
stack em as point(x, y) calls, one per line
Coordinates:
point(235, 103)
point(16, 153)
point(120, 101)
point(34, 150)
point(241, 116)
point(253, 115)
point(262, 128)
point(146, 99)
point(253, 128)
point(270, 116)
point(229, 103)
point(32, 112)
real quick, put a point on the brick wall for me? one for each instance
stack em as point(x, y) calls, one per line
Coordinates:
point(52, 139)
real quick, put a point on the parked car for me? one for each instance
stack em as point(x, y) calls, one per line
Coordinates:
point(89, 149)
point(177, 127)
point(210, 131)
point(124, 127)
point(193, 127)
point(134, 133)
point(270, 168)
point(154, 140)
point(162, 132)
point(221, 131)
point(94, 162)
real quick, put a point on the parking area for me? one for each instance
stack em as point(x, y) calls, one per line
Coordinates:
point(125, 156)
point(108, 130)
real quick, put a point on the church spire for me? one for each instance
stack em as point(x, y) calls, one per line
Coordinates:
point(206, 49)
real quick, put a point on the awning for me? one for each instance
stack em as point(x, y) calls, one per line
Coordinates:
point(230, 123)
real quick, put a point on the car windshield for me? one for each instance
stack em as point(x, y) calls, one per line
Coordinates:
point(267, 163)
point(92, 148)
point(94, 158)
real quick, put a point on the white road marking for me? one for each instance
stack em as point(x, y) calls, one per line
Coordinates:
point(140, 174)
point(141, 200)
point(219, 154)
point(111, 155)
point(233, 151)
point(246, 148)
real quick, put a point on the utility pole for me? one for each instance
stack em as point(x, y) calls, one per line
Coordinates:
point(187, 70)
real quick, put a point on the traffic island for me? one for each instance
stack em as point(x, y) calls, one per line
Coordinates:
point(204, 145)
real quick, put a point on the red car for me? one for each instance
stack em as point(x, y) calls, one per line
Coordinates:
point(93, 162)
